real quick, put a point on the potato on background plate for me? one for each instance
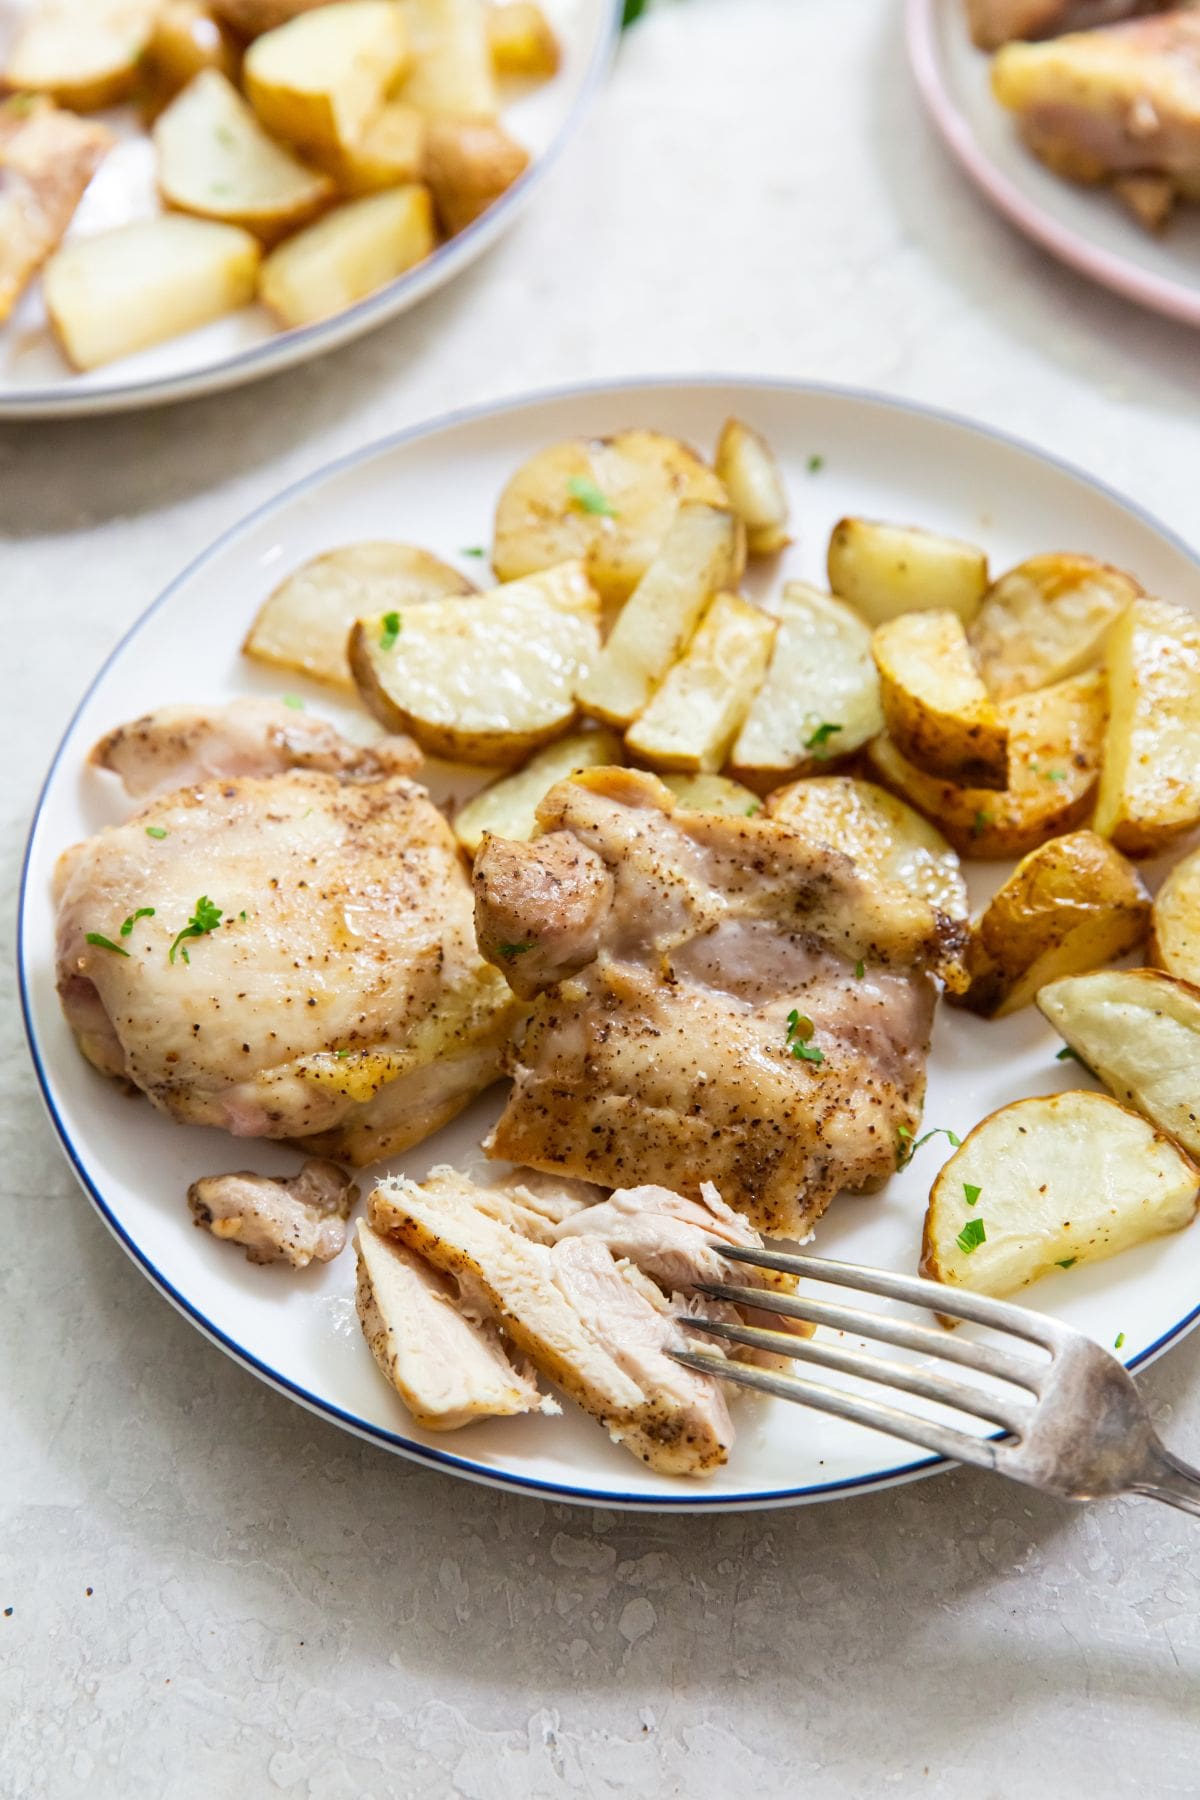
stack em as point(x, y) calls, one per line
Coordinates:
point(1068, 906)
point(1175, 928)
point(1045, 620)
point(468, 164)
point(83, 53)
point(451, 74)
point(879, 832)
point(250, 18)
point(317, 81)
point(389, 151)
point(1150, 786)
point(937, 711)
point(508, 807)
point(521, 40)
point(694, 715)
point(885, 570)
point(188, 37)
point(746, 464)
point(349, 253)
point(1046, 1183)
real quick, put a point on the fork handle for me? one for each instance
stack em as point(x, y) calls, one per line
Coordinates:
point(1170, 1479)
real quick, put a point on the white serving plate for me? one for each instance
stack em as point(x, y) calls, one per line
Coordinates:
point(436, 485)
point(36, 381)
point(1086, 227)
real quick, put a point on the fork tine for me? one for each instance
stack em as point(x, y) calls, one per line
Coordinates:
point(913, 1290)
point(974, 1400)
point(959, 1446)
point(927, 1340)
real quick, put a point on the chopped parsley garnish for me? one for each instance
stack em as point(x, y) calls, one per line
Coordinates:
point(1067, 1262)
point(143, 912)
point(242, 914)
point(391, 630)
point(971, 1236)
point(1118, 1340)
point(341, 1053)
point(473, 550)
point(908, 1146)
point(511, 950)
point(588, 498)
point(294, 701)
point(799, 1029)
point(633, 12)
point(1056, 774)
point(980, 823)
point(155, 831)
point(1067, 1054)
point(206, 918)
point(860, 969)
point(971, 1192)
point(755, 806)
point(103, 943)
point(815, 464)
point(819, 741)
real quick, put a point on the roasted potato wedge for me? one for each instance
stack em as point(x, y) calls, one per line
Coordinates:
point(304, 625)
point(746, 464)
point(701, 555)
point(1138, 1030)
point(123, 290)
point(820, 697)
point(886, 570)
point(187, 38)
point(1045, 620)
point(347, 255)
point(390, 151)
point(83, 53)
point(879, 832)
point(47, 158)
point(215, 160)
point(318, 81)
point(468, 164)
point(1066, 1178)
point(1175, 922)
point(521, 40)
point(1150, 787)
point(508, 807)
point(936, 708)
point(482, 680)
point(608, 500)
point(1071, 905)
point(1055, 740)
point(451, 76)
point(712, 793)
point(695, 714)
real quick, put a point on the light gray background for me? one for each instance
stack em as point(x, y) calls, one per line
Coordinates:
point(276, 1608)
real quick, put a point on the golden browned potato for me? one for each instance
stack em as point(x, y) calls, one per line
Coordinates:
point(508, 807)
point(318, 81)
point(47, 158)
point(469, 163)
point(1139, 1032)
point(215, 160)
point(1043, 1184)
point(879, 832)
point(608, 500)
point(712, 793)
point(886, 570)
point(693, 717)
point(451, 76)
point(701, 555)
point(126, 289)
point(936, 709)
point(83, 53)
point(305, 624)
point(1150, 787)
point(354, 250)
point(187, 38)
point(250, 18)
point(521, 40)
point(746, 464)
point(1055, 740)
point(1175, 926)
point(488, 679)
point(1045, 620)
point(1070, 905)
point(390, 151)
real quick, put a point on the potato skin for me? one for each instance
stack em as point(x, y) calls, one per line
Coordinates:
point(250, 18)
point(935, 707)
point(468, 164)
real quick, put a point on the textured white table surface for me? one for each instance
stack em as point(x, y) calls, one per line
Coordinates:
point(214, 1595)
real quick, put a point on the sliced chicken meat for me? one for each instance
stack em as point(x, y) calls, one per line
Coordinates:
point(297, 1219)
point(447, 1369)
point(717, 999)
point(590, 1324)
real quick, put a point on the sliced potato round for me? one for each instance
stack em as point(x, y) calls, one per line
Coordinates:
point(305, 623)
point(712, 793)
point(1175, 926)
point(1055, 740)
point(886, 570)
point(1047, 619)
point(482, 680)
point(1138, 1030)
point(317, 81)
point(935, 706)
point(610, 501)
point(1042, 1184)
point(746, 464)
point(468, 164)
point(1150, 786)
point(1071, 905)
point(508, 808)
point(350, 253)
point(881, 834)
point(215, 160)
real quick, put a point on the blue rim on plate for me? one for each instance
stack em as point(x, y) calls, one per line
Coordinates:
point(396, 1441)
point(65, 399)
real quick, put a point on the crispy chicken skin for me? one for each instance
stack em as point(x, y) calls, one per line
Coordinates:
point(340, 998)
point(47, 158)
point(996, 22)
point(1120, 104)
point(297, 1219)
point(668, 1057)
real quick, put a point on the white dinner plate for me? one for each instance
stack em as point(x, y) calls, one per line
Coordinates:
point(1084, 226)
point(36, 382)
point(436, 485)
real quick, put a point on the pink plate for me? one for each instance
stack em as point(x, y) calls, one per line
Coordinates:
point(1085, 227)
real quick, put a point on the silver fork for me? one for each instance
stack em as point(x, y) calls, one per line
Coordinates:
point(1079, 1428)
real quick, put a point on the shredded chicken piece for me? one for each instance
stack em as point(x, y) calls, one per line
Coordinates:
point(295, 1219)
